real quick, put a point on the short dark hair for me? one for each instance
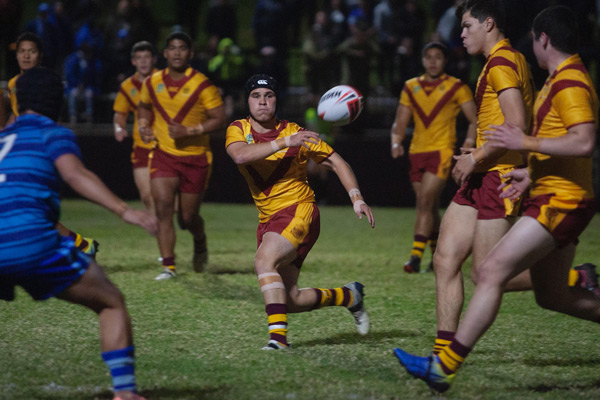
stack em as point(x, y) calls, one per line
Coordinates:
point(560, 24)
point(40, 90)
point(435, 45)
point(30, 37)
point(142, 46)
point(482, 9)
point(181, 36)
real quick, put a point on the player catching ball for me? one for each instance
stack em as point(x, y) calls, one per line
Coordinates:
point(272, 155)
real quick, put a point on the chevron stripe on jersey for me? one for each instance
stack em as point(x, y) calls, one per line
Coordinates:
point(279, 180)
point(435, 106)
point(185, 101)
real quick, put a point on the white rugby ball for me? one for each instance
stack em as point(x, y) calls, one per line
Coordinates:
point(340, 105)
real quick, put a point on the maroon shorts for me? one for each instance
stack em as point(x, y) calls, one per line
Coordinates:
point(436, 162)
point(193, 171)
point(564, 217)
point(140, 157)
point(480, 191)
point(299, 223)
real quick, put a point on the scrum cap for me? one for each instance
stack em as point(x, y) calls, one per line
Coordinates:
point(261, 81)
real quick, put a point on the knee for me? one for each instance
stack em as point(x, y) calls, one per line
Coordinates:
point(263, 264)
point(445, 267)
point(187, 221)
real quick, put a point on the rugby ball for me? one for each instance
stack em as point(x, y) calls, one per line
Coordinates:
point(340, 105)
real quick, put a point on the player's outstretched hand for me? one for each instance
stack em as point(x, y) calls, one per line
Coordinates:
point(141, 218)
point(361, 208)
point(147, 134)
point(304, 138)
point(506, 136)
point(517, 183)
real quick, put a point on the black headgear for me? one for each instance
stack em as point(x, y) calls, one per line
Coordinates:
point(261, 81)
point(41, 90)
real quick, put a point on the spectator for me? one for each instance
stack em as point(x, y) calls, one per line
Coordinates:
point(42, 27)
point(385, 17)
point(63, 32)
point(227, 71)
point(318, 50)
point(11, 12)
point(270, 26)
point(83, 72)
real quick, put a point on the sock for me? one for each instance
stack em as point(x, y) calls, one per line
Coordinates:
point(80, 242)
point(573, 277)
point(169, 262)
point(453, 356)
point(277, 316)
point(418, 246)
point(122, 368)
point(341, 296)
point(443, 339)
point(433, 241)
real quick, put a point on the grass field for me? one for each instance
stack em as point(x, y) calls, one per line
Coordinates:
point(199, 336)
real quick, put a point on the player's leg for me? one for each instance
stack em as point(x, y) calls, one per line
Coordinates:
point(525, 244)
point(428, 218)
point(163, 193)
point(454, 246)
point(96, 292)
point(550, 276)
point(419, 239)
point(141, 177)
point(88, 245)
point(274, 251)
point(189, 218)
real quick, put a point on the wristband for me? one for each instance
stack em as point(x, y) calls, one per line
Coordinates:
point(395, 145)
point(357, 205)
point(274, 145)
point(287, 141)
point(353, 192)
point(143, 122)
point(472, 158)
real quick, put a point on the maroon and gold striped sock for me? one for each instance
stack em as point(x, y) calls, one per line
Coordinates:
point(277, 316)
point(341, 296)
point(169, 262)
point(433, 241)
point(443, 339)
point(418, 246)
point(453, 356)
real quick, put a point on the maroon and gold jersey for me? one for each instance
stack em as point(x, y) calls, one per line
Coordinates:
point(567, 99)
point(127, 101)
point(280, 180)
point(184, 101)
point(434, 107)
point(12, 95)
point(505, 68)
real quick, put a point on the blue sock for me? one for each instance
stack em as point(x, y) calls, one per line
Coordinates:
point(122, 368)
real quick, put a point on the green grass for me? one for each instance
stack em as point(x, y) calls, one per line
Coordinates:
point(198, 337)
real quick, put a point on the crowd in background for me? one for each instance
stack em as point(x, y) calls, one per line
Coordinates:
point(371, 44)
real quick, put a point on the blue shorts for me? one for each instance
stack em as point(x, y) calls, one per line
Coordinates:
point(50, 276)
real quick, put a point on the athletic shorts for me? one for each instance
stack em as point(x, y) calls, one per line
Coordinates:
point(564, 217)
point(299, 223)
point(140, 157)
point(480, 191)
point(193, 171)
point(435, 162)
point(50, 276)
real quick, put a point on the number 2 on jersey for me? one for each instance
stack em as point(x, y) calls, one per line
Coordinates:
point(6, 144)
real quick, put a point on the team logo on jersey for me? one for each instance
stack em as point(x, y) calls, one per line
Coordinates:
point(133, 92)
point(186, 90)
point(249, 138)
point(442, 88)
point(416, 89)
point(160, 87)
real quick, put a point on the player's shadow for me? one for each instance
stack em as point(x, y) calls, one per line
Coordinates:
point(373, 337)
point(224, 270)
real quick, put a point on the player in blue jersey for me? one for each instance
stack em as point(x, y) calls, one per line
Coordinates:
point(35, 154)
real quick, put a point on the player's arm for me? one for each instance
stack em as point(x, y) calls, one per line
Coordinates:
point(87, 184)
point(243, 153)
point(120, 124)
point(469, 110)
point(215, 119)
point(398, 131)
point(144, 117)
point(336, 163)
point(579, 141)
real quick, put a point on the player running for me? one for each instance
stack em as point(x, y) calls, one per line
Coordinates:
point(35, 154)
point(272, 155)
point(433, 101)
